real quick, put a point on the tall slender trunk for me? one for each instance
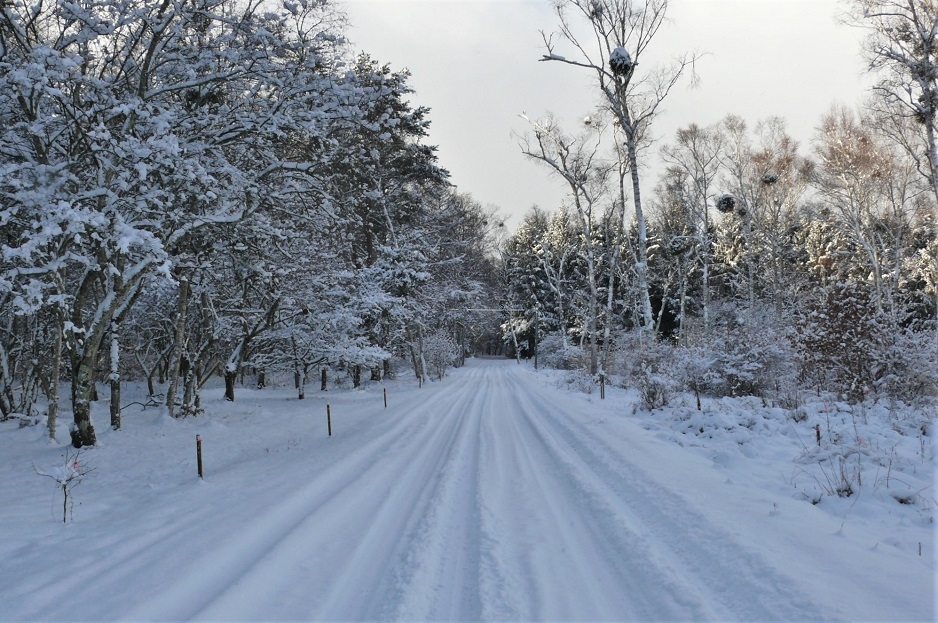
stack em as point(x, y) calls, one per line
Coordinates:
point(705, 261)
point(423, 358)
point(594, 311)
point(299, 369)
point(52, 393)
point(750, 269)
point(190, 387)
point(82, 432)
point(181, 312)
point(617, 239)
point(641, 269)
point(933, 168)
point(932, 152)
point(114, 379)
point(706, 296)
point(682, 311)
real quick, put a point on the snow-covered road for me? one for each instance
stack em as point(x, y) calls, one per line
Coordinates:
point(482, 497)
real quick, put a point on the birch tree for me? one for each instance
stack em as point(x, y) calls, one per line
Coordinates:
point(902, 51)
point(696, 155)
point(868, 186)
point(578, 162)
point(609, 38)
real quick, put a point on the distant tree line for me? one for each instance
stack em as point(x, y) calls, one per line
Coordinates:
point(755, 266)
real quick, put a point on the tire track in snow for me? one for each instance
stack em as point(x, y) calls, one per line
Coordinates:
point(388, 584)
point(209, 577)
point(314, 549)
point(440, 578)
point(598, 578)
point(476, 499)
point(730, 582)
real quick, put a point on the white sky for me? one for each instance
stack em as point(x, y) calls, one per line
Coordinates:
point(475, 65)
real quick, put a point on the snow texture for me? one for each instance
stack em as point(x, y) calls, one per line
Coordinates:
point(491, 495)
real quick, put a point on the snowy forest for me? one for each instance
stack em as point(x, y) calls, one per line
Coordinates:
point(754, 267)
point(222, 189)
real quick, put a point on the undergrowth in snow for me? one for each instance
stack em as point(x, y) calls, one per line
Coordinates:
point(877, 453)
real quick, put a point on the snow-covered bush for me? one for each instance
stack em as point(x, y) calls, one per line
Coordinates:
point(695, 370)
point(441, 351)
point(576, 380)
point(656, 390)
point(650, 366)
point(739, 362)
point(750, 362)
point(849, 346)
point(553, 351)
point(837, 469)
point(909, 367)
point(835, 338)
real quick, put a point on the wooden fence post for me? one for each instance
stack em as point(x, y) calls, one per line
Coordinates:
point(198, 454)
point(329, 419)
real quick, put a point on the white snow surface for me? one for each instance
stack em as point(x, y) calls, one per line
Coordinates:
point(493, 494)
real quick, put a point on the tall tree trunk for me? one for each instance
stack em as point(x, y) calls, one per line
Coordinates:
point(82, 432)
point(231, 377)
point(932, 140)
point(705, 244)
point(52, 393)
point(114, 379)
point(299, 370)
point(190, 389)
point(682, 310)
point(182, 312)
point(641, 270)
point(706, 295)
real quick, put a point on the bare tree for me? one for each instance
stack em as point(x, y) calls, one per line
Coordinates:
point(869, 186)
point(902, 51)
point(577, 162)
point(618, 34)
point(696, 152)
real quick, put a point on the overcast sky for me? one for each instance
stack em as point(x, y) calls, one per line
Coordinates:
point(475, 65)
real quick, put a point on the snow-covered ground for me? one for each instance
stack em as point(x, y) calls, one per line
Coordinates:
point(490, 495)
